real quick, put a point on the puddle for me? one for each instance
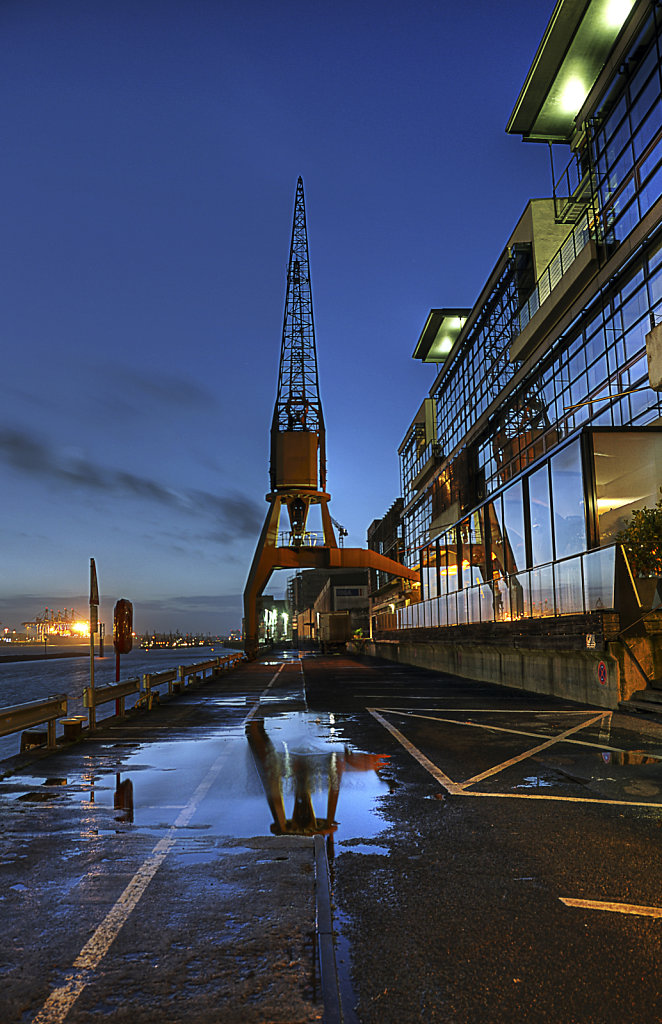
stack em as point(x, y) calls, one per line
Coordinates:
point(284, 774)
point(537, 782)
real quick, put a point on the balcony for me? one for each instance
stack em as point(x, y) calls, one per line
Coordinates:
point(562, 279)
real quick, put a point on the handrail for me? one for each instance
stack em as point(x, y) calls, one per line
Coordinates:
point(34, 712)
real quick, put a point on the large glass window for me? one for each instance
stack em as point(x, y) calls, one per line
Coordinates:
point(568, 497)
point(628, 473)
point(513, 517)
point(542, 549)
point(478, 553)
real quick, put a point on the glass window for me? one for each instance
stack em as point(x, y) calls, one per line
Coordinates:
point(541, 517)
point(465, 537)
point(568, 498)
point(513, 514)
point(628, 471)
point(494, 517)
point(478, 554)
point(452, 553)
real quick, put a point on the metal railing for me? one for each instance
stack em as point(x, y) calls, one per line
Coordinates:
point(571, 586)
point(20, 717)
point(35, 712)
point(93, 698)
point(179, 678)
point(561, 262)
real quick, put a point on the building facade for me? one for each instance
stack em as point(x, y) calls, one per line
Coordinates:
point(541, 433)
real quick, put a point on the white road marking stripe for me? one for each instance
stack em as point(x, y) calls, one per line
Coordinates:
point(60, 1001)
point(443, 780)
point(562, 799)
point(615, 908)
point(515, 732)
point(483, 711)
point(457, 789)
point(529, 753)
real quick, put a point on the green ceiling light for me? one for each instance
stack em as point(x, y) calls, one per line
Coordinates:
point(617, 11)
point(439, 334)
point(575, 48)
point(573, 94)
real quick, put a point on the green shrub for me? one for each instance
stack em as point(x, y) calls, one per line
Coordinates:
point(642, 539)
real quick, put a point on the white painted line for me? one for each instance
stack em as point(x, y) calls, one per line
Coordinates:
point(60, 1001)
point(529, 753)
point(615, 908)
point(515, 732)
point(485, 711)
point(560, 799)
point(457, 788)
point(443, 780)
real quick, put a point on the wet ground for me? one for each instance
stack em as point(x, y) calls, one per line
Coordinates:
point(494, 856)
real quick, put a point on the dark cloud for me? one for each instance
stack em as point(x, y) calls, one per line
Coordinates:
point(159, 387)
point(234, 515)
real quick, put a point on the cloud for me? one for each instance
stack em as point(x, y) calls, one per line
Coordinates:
point(234, 516)
point(160, 388)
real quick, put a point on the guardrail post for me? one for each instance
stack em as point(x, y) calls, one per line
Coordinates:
point(51, 741)
point(182, 677)
point(147, 687)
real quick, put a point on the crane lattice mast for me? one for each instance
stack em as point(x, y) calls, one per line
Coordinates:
point(298, 453)
point(298, 405)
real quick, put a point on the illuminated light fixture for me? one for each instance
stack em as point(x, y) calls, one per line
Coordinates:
point(573, 94)
point(577, 45)
point(439, 334)
point(611, 504)
point(616, 12)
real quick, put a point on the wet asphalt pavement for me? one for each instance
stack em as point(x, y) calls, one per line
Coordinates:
point(494, 856)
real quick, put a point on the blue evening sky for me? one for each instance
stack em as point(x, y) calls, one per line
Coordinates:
point(150, 152)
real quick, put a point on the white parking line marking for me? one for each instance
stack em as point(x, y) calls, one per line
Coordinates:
point(515, 732)
point(458, 788)
point(443, 780)
point(60, 1001)
point(529, 753)
point(615, 908)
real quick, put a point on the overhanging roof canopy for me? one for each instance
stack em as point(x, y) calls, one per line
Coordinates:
point(573, 51)
point(439, 334)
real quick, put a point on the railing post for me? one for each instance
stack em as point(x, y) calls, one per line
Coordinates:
point(51, 741)
point(182, 677)
point(147, 687)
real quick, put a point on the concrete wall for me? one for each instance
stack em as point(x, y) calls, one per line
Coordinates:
point(573, 675)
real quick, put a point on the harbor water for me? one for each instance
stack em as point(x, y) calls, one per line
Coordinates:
point(23, 680)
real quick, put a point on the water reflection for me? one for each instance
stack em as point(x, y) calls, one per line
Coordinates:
point(306, 773)
point(123, 799)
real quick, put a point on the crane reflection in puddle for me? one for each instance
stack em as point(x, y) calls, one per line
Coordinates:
point(308, 773)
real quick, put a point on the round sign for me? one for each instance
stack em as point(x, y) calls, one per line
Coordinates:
point(602, 673)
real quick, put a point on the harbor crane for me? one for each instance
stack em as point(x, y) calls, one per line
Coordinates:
point(298, 453)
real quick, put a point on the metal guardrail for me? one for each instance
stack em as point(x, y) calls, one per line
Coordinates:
point(18, 717)
point(118, 692)
point(35, 712)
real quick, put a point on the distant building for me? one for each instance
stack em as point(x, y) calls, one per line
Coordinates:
point(541, 432)
point(314, 592)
